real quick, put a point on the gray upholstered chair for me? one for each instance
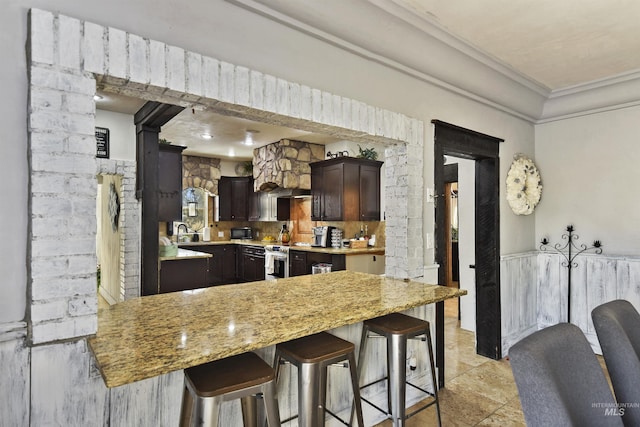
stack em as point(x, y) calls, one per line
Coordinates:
point(617, 324)
point(560, 381)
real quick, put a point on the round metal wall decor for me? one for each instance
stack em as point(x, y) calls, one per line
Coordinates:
point(524, 188)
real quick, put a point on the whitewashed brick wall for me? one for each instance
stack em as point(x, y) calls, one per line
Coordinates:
point(63, 301)
point(129, 225)
point(68, 57)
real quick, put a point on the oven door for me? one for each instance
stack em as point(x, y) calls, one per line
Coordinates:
point(276, 265)
point(279, 268)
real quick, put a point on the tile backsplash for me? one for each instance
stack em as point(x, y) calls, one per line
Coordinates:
point(299, 226)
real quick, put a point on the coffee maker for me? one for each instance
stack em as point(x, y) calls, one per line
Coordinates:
point(322, 236)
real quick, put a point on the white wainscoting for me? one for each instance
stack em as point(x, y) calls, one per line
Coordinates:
point(595, 280)
point(14, 377)
point(533, 292)
point(518, 297)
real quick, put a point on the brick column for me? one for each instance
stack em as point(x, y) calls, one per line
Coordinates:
point(63, 186)
point(404, 254)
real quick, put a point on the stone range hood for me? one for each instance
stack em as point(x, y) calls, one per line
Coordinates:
point(284, 167)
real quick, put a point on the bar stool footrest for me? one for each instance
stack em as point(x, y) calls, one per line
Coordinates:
point(388, 412)
point(364, 399)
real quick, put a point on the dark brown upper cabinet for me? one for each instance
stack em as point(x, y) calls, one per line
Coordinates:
point(235, 194)
point(170, 182)
point(345, 189)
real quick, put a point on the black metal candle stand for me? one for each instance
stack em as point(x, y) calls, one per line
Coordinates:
point(570, 250)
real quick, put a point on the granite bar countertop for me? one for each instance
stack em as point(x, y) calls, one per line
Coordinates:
point(157, 334)
point(185, 254)
point(293, 247)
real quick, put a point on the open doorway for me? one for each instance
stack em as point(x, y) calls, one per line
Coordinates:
point(482, 153)
point(451, 227)
point(459, 260)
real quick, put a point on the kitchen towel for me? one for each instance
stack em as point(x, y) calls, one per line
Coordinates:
point(268, 263)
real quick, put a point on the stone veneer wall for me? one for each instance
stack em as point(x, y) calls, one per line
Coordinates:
point(201, 172)
point(285, 164)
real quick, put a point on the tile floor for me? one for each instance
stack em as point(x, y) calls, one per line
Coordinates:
point(478, 391)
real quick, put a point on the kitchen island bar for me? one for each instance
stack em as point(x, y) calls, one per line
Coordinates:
point(154, 335)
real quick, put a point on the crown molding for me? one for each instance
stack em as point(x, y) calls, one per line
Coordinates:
point(598, 96)
point(513, 95)
point(434, 29)
point(461, 68)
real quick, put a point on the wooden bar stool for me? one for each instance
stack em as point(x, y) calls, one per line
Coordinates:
point(206, 386)
point(397, 328)
point(312, 355)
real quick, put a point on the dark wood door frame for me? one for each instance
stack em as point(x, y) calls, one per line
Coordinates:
point(148, 121)
point(484, 149)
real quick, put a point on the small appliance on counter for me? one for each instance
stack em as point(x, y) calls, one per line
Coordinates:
point(244, 233)
point(206, 234)
point(322, 236)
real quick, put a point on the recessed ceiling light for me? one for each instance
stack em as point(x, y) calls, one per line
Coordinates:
point(206, 136)
point(248, 136)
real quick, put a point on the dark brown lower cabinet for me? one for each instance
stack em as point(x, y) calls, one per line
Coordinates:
point(300, 262)
point(252, 263)
point(183, 274)
point(222, 266)
point(297, 263)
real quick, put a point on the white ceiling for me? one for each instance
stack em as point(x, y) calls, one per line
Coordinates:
point(227, 132)
point(558, 43)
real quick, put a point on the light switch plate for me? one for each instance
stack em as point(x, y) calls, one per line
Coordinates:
point(429, 240)
point(430, 195)
point(220, 233)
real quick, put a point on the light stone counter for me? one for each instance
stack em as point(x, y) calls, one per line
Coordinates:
point(185, 254)
point(153, 335)
point(342, 251)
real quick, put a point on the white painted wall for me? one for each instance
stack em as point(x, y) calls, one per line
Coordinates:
point(589, 168)
point(122, 134)
point(243, 38)
point(467, 241)
point(237, 36)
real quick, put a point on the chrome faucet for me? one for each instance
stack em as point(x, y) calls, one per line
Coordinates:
point(186, 230)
